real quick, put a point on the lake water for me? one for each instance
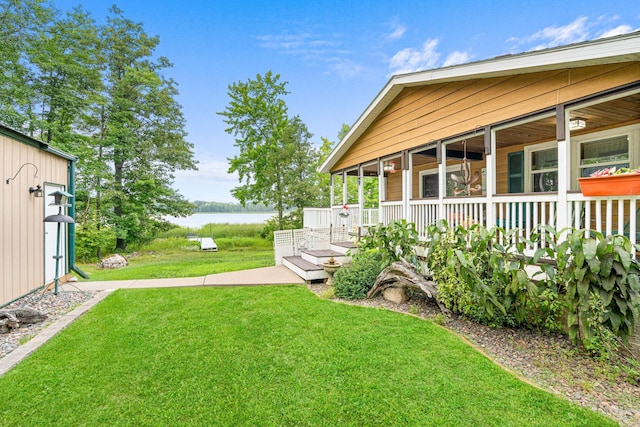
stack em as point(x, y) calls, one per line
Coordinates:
point(200, 219)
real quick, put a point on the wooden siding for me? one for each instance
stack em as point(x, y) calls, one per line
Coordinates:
point(21, 214)
point(422, 114)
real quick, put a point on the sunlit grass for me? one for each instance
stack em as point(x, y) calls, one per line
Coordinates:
point(179, 257)
point(266, 356)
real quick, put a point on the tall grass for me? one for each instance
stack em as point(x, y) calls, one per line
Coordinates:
point(217, 231)
point(240, 247)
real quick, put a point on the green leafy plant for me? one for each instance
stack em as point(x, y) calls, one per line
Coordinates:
point(392, 242)
point(602, 284)
point(355, 280)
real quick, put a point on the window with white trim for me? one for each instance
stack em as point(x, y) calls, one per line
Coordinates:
point(616, 147)
point(604, 153)
point(541, 167)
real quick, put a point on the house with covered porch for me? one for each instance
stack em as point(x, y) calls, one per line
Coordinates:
point(495, 142)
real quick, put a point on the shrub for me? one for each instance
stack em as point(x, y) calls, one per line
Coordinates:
point(595, 286)
point(291, 221)
point(392, 242)
point(355, 280)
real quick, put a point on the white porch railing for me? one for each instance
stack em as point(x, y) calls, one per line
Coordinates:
point(392, 211)
point(423, 213)
point(337, 215)
point(608, 215)
point(316, 217)
point(526, 213)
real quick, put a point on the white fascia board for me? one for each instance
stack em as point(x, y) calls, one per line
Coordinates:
point(623, 48)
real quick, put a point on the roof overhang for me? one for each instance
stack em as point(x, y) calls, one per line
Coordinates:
point(26, 139)
point(623, 48)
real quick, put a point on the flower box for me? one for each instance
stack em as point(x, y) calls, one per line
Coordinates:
point(624, 184)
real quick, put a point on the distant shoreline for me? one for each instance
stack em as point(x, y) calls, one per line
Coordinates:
point(200, 219)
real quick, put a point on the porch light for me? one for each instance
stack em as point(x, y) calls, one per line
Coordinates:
point(577, 124)
point(389, 167)
point(36, 191)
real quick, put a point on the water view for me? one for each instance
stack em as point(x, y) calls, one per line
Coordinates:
point(199, 219)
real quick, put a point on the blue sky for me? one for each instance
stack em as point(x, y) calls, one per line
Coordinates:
point(335, 56)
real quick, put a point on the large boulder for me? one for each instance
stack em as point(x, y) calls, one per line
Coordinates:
point(114, 261)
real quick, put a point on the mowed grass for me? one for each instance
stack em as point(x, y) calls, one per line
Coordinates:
point(263, 356)
point(178, 257)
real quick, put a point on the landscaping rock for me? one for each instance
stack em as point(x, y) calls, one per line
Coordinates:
point(114, 261)
point(397, 295)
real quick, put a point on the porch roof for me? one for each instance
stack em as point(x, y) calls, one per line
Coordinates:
point(622, 48)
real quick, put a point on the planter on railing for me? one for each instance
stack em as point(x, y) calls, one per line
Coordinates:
point(611, 185)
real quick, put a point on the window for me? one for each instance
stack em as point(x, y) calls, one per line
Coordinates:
point(541, 163)
point(604, 153)
point(429, 183)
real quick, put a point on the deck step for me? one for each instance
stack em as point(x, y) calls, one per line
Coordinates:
point(321, 256)
point(343, 247)
point(305, 269)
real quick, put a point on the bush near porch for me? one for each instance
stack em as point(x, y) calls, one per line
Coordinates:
point(591, 292)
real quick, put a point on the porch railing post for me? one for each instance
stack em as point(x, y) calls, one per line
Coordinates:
point(564, 168)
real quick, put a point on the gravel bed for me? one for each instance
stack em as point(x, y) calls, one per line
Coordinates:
point(548, 361)
point(54, 306)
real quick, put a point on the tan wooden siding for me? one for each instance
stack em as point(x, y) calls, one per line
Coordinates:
point(21, 214)
point(422, 114)
point(394, 187)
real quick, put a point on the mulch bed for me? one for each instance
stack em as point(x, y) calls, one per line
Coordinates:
point(548, 361)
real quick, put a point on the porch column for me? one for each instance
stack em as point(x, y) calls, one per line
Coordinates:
point(441, 154)
point(564, 167)
point(344, 187)
point(407, 185)
point(331, 190)
point(360, 198)
point(381, 189)
point(491, 168)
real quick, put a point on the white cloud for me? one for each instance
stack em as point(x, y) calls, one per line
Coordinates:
point(456, 58)
point(345, 68)
point(312, 48)
point(211, 182)
point(581, 29)
point(409, 60)
point(397, 30)
point(214, 170)
point(573, 32)
point(620, 29)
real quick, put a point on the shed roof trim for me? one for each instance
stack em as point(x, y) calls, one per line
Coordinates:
point(26, 139)
point(622, 48)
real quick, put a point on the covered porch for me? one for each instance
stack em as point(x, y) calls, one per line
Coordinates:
point(518, 173)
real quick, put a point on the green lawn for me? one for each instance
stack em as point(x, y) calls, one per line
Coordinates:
point(168, 258)
point(262, 356)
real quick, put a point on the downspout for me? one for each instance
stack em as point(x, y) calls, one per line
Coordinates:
point(71, 229)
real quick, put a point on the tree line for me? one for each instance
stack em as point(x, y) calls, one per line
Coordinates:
point(202, 207)
point(100, 93)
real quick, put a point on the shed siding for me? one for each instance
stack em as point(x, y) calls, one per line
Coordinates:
point(21, 215)
point(428, 113)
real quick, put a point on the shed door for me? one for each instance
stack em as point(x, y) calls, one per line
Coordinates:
point(50, 237)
